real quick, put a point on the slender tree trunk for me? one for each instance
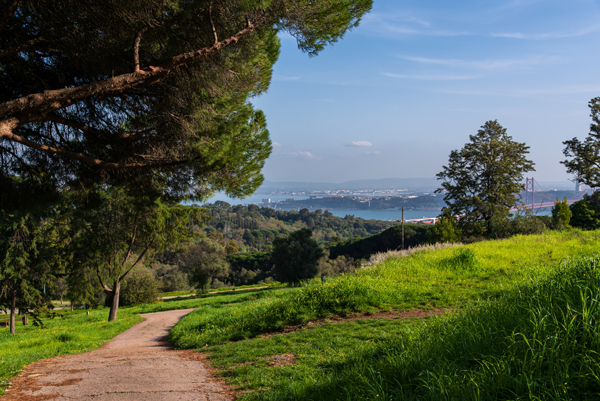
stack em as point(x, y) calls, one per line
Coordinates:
point(13, 309)
point(115, 302)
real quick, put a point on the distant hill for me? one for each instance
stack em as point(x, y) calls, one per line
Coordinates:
point(422, 184)
point(384, 183)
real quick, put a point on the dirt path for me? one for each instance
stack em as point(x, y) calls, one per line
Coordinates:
point(138, 364)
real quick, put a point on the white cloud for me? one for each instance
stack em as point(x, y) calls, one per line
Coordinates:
point(359, 144)
point(402, 24)
point(483, 64)
point(276, 144)
point(432, 77)
point(304, 154)
point(548, 35)
point(295, 78)
point(558, 90)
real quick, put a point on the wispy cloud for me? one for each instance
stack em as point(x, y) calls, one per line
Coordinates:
point(547, 35)
point(403, 24)
point(359, 144)
point(484, 64)
point(376, 152)
point(558, 90)
point(432, 77)
point(302, 154)
point(276, 144)
point(295, 78)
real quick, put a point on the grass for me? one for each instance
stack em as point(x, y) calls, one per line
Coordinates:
point(77, 332)
point(524, 327)
point(445, 278)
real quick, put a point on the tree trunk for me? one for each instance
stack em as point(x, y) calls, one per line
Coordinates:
point(115, 302)
point(13, 309)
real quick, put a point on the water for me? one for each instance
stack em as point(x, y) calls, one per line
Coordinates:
point(385, 215)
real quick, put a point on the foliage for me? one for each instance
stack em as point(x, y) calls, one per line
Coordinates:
point(584, 156)
point(140, 287)
point(334, 267)
point(296, 258)
point(390, 239)
point(586, 212)
point(249, 268)
point(481, 180)
point(153, 93)
point(561, 215)
point(453, 277)
point(171, 278)
point(111, 232)
point(445, 229)
point(251, 226)
point(204, 261)
point(27, 261)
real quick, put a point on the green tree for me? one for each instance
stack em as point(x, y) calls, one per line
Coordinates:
point(296, 257)
point(445, 229)
point(561, 215)
point(150, 92)
point(25, 264)
point(586, 212)
point(204, 262)
point(482, 181)
point(111, 233)
point(584, 156)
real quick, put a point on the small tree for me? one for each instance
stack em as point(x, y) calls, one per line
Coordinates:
point(296, 257)
point(112, 232)
point(445, 229)
point(203, 262)
point(482, 181)
point(561, 215)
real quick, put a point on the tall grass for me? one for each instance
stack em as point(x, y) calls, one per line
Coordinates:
point(540, 342)
point(449, 278)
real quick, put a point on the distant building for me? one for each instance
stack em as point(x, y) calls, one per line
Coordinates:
point(266, 200)
point(290, 199)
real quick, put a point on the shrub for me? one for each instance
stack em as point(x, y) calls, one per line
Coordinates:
point(140, 287)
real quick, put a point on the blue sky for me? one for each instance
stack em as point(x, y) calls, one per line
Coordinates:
point(416, 78)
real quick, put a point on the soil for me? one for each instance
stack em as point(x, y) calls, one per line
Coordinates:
point(417, 313)
point(138, 364)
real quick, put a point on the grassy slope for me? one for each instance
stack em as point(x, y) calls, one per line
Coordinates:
point(523, 310)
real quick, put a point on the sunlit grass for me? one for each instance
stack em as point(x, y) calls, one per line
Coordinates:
point(444, 278)
point(524, 326)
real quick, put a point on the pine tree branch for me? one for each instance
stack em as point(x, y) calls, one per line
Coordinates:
point(9, 13)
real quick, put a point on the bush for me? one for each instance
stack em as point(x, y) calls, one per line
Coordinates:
point(140, 287)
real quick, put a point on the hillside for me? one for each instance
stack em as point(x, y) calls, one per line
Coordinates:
point(510, 306)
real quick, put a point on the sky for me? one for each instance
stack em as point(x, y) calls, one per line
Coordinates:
point(398, 93)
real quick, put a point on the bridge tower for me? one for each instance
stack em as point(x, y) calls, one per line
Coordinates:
point(530, 186)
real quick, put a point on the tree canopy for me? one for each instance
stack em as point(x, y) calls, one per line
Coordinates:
point(584, 156)
point(483, 180)
point(153, 92)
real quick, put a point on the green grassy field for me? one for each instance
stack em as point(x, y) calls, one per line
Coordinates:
point(524, 327)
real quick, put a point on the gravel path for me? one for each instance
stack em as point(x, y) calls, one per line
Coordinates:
point(138, 364)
